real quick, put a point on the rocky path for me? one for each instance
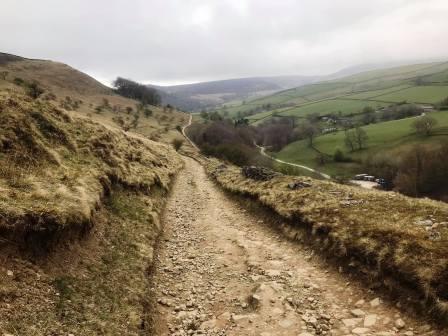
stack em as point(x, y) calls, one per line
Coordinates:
point(223, 271)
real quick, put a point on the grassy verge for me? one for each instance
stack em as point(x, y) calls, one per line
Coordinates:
point(400, 240)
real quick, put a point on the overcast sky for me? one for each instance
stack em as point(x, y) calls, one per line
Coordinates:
point(178, 41)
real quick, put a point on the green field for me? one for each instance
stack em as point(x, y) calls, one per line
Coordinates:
point(386, 136)
point(372, 94)
point(331, 106)
point(418, 94)
point(372, 88)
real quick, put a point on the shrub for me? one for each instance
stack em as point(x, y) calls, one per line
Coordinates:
point(234, 153)
point(177, 143)
point(424, 125)
point(147, 112)
point(18, 81)
point(4, 75)
point(34, 90)
point(339, 156)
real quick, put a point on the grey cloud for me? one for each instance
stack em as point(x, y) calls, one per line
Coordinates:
point(192, 40)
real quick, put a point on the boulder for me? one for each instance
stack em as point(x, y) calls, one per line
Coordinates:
point(298, 185)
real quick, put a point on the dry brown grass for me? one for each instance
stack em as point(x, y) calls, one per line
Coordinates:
point(377, 230)
point(79, 213)
point(61, 81)
point(68, 163)
point(80, 202)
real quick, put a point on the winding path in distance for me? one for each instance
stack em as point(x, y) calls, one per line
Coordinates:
point(263, 152)
point(184, 133)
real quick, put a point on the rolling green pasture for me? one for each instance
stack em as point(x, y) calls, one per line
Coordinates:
point(386, 136)
point(372, 94)
point(384, 85)
point(418, 94)
point(329, 106)
point(441, 77)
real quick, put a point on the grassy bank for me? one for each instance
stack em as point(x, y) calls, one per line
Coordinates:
point(399, 241)
point(79, 214)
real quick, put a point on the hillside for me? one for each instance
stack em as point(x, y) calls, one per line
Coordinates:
point(419, 83)
point(80, 203)
point(74, 91)
point(194, 97)
point(393, 136)
point(79, 214)
point(231, 92)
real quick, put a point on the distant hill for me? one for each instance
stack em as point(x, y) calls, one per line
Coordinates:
point(206, 95)
point(425, 83)
point(191, 97)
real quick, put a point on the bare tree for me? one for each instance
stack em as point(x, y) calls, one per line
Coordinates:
point(309, 131)
point(350, 140)
point(424, 125)
point(360, 137)
point(355, 139)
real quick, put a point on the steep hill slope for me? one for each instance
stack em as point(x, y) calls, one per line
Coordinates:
point(79, 214)
point(80, 202)
point(72, 90)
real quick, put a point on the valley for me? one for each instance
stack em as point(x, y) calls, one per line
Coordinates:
point(116, 221)
point(223, 168)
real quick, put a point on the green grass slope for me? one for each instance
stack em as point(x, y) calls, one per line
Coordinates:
point(386, 136)
point(372, 88)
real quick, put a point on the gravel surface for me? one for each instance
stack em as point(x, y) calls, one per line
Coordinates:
point(223, 271)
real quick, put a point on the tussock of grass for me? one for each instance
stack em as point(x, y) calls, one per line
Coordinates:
point(377, 229)
point(55, 169)
point(62, 177)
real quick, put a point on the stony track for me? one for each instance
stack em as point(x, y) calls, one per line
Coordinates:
point(221, 270)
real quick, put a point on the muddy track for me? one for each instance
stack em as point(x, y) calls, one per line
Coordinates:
point(221, 270)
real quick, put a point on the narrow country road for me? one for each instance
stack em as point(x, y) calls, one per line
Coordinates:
point(184, 131)
point(263, 152)
point(221, 270)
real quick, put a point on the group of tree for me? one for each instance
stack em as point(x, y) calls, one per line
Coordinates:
point(224, 140)
point(424, 125)
point(213, 115)
point(400, 111)
point(355, 138)
point(420, 170)
point(137, 91)
point(276, 134)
